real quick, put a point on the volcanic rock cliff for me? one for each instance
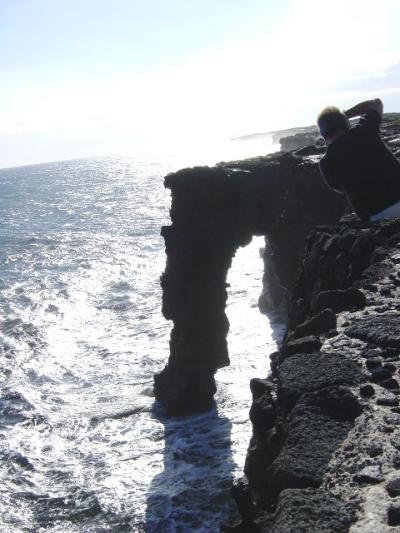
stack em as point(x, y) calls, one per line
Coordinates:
point(213, 212)
point(324, 455)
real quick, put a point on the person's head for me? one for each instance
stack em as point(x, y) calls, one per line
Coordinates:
point(331, 122)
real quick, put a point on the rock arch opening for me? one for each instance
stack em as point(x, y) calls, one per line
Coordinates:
point(251, 335)
point(249, 329)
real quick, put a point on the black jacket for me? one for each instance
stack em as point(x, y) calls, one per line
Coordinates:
point(359, 164)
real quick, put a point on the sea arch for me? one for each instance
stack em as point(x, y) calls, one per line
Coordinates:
point(214, 211)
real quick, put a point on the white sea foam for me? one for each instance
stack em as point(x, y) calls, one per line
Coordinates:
point(81, 336)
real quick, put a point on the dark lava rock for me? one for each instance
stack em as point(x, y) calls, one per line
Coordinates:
point(274, 358)
point(390, 366)
point(317, 425)
point(396, 460)
point(324, 321)
point(302, 373)
point(242, 495)
point(393, 419)
point(303, 345)
point(389, 400)
point(393, 487)
point(382, 330)
point(391, 355)
point(370, 287)
point(262, 412)
point(369, 474)
point(379, 374)
point(331, 333)
point(385, 428)
point(260, 454)
point(367, 390)
point(395, 441)
point(307, 511)
point(185, 390)
point(392, 358)
point(394, 515)
point(391, 384)
point(338, 403)
point(259, 386)
point(374, 449)
point(371, 353)
point(373, 362)
point(340, 300)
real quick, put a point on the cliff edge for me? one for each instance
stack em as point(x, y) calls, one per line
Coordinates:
point(213, 212)
point(324, 455)
point(325, 452)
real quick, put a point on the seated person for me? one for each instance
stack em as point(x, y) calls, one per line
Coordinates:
point(358, 163)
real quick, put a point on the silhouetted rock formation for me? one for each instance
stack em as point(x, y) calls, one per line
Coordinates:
point(213, 212)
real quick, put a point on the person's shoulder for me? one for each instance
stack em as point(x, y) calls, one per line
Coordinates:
point(370, 120)
point(340, 143)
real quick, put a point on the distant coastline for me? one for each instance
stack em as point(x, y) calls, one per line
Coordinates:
point(276, 134)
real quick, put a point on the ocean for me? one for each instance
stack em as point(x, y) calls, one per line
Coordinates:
point(84, 447)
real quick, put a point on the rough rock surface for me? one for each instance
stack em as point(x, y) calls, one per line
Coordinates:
point(336, 418)
point(326, 455)
point(307, 511)
point(325, 451)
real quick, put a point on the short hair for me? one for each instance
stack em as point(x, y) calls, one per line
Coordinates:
point(330, 120)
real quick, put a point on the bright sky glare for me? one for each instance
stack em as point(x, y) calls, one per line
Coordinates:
point(85, 77)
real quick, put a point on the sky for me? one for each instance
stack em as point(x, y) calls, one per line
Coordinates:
point(89, 77)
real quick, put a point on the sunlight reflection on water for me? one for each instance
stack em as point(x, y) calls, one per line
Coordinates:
point(81, 336)
point(251, 339)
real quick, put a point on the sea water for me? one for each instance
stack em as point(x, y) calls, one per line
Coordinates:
point(83, 446)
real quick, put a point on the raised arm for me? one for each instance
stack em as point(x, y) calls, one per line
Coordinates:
point(361, 108)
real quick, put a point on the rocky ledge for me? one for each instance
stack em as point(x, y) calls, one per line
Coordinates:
point(325, 451)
